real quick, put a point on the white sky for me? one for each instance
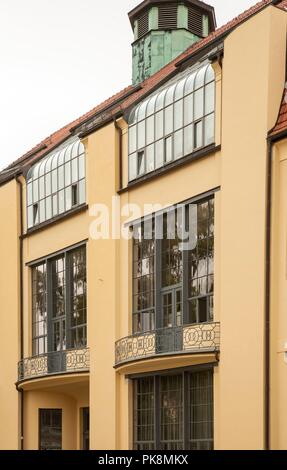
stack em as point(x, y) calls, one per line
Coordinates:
point(60, 58)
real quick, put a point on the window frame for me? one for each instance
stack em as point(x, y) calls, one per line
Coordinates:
point(51, 410)
point(185, 373)
point(150, 319)
point(67, 256)
point(49, 184)
point(170, 98)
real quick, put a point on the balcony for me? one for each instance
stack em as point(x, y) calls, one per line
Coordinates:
point(54, 363)
point(188, 339)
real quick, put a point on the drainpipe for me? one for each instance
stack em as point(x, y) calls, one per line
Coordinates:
point(120, 153)
point(20, 186)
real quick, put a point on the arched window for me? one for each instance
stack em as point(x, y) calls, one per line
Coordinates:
point(56, 184)
point(173, 123)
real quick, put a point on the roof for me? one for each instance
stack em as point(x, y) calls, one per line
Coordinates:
point(135, 12)
point(118, 103)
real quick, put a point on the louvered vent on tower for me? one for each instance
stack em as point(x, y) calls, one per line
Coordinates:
point(167, 16)
point(195, 22)
point(143, 24)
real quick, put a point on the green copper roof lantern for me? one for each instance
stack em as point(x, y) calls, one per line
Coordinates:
point(163, 29)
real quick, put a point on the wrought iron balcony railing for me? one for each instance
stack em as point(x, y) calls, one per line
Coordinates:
point(187, 339)
point(59, 362)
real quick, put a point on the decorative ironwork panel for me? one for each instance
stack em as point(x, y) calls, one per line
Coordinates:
point(203, 337)
point(59, 362)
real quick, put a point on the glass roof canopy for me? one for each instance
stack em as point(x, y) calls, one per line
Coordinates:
point(55, 160)
point(56, 184)
point(177, 91)
point(172, 123)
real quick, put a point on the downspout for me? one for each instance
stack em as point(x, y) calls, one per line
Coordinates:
point(267, 404)
point(20, 186)
point(120, 154)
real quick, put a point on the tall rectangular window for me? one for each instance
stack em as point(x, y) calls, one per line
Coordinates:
point(39, 309)
point(50, 429)
point(174, 412)
point(173, 282)
point(59, 305)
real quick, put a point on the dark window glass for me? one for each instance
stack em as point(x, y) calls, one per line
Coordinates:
point(143, 277)
point(178, 283)
point(60, 311)
point(201, 266)
point(174, 412)
point(39, 309)
point(85, 428)
point(50, 432)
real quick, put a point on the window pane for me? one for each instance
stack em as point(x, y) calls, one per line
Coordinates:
point(55, 205)
point(178, 144)
point(188, 140)
point(168, 149)
point(159, 154)
point(61, 201)
point(209, 129)
point(42, 213)
point(168, 120)
point(54, 181)
point(30, 216)
point(67, 174)
point(82, 172)
point(82, 192)
point(141, 134)
point(209, 98)
point(61, 177)
point(141, 163)
point(48, 207)
point(68, 198)
point(75, 175)
point(35, 191)
point(132, 166)
point(150, 129)
point(198, 104)
point(198, 135)
point(50, 429)
point(29, 194)
point(48, 184)
point(150, 158)
point(159, 125)
point(188, 109)
point(178, 115)
point(132, 139)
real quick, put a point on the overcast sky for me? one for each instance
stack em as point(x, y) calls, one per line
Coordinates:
point(60, 58)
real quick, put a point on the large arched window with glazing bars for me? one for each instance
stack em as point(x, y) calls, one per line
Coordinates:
point(173, 123)
point(56, 184)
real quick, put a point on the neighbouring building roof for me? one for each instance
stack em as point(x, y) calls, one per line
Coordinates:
point(110, 108)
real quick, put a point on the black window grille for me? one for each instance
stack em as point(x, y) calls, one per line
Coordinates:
point(174, 412)
point(50, 429)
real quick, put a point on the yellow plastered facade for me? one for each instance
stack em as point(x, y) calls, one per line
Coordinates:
point(249, 85)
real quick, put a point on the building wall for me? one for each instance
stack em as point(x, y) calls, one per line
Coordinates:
point(9, 315)
point(253, 80)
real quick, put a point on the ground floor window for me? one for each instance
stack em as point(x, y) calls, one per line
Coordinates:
point(174, 411)
point(50, 429)
point(85, 428)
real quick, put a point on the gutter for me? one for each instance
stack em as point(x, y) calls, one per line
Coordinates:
point(20, 186)
point(271, 140)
